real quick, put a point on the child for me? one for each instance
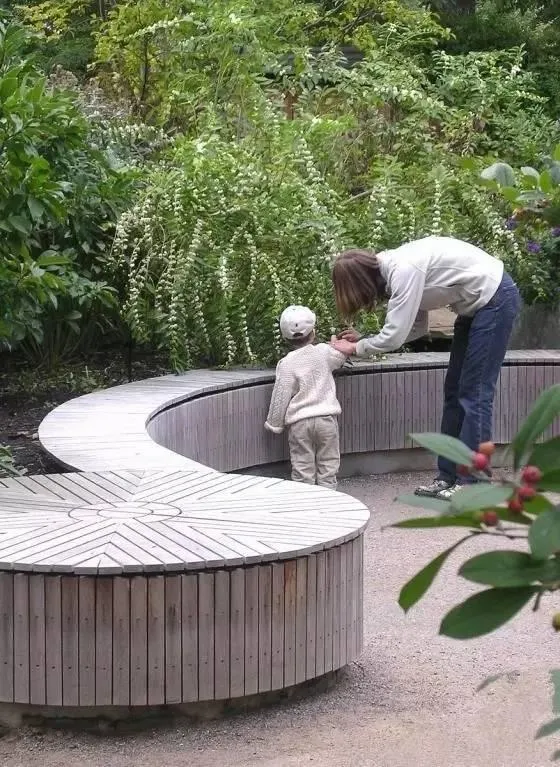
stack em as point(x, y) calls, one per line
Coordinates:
point(304, 399)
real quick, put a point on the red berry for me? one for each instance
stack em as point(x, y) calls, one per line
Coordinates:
point(490, 518)
point(515, 505)
point(480, 462)
point(531, 475)
point(526, 492)
point(487, 448)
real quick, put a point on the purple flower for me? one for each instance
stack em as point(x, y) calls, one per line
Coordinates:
point(533, 247)
point(511, 224)
point(555, 231)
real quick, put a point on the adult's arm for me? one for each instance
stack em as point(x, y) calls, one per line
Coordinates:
point(404, 321)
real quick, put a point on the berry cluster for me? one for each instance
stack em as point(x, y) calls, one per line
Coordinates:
point(530, 477)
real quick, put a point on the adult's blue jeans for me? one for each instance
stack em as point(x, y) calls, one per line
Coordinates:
point(477, 353)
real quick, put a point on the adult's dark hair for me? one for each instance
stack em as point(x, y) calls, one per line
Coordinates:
point(357, 282)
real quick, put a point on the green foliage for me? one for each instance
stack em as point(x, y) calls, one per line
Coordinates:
point(514, 578)
point(58, 197)
point(8, 467)
point(533, 197)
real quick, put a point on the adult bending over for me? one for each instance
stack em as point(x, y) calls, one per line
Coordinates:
point(426, 274)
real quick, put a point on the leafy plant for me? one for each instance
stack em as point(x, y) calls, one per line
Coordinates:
point(533, 197)
point(516, 508)
point(58, 198)
point(8, 467)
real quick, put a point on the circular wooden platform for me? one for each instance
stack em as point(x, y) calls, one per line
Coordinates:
point(135, 588)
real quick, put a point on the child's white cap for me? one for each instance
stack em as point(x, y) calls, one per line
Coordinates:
point(297, 322)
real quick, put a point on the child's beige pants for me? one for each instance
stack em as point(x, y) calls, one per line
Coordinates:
point(315, 451)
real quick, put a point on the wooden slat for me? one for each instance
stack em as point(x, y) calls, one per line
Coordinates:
point(21, 638)
point(37, 650)
point(206, 636)
point(173, 643)
point(104, 642)
point(86, 599)
point(311, 623)
point(251, 631)
point(70, 642)
point(189, 636)
point(301, 619)
point(265, 628)
point(321, 613)
point(156, 640)
point(121, 641)
point(138, 641)
point(290, 601)
point(277, 627)
point(222, 636)
point(53, 640)
point(6, 637)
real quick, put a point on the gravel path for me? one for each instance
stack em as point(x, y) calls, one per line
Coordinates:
point(411, 699)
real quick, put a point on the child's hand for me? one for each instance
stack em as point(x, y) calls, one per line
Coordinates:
point(349, 335)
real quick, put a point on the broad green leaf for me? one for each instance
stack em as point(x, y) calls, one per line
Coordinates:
point(447, 520)
point(556, 153)
point(543, 413)
point(546, 455)
point(501, 173)
point(548, 729)
point(550, 482)
point(526, 170)
point(555, 682)
point(546, 182)
point(552, 214)
point(20, 224)
point(544, 534)
point(506, 569)
point(447, 447)
point(422, 502)
point(538, 505)
point(36, 208)
point(485, 612)
point(481, 495)
point(417, 586)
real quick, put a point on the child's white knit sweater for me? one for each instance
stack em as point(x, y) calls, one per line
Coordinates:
point(305, 386)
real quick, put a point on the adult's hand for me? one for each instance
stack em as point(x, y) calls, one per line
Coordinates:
point(349, 335)
point(345, 347)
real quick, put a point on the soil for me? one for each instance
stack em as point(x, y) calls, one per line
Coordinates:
point(28, 394)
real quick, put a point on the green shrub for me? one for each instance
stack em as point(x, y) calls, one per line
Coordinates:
point(58, 199)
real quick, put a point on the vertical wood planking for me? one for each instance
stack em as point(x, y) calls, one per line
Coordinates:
point(189, 636)
point(277, 620)
point(344, 611)
point(138, 641)
point(104, 641)
point(290, 585)
point(301, 619)
point(321, 612)
point(265, 628)
point(69, 587)
point(329, 600)
point(355, 596)
point(237, 634)
point(222, 636)
point(121, 641)
point(86, 643)
point(206, 636)
point(334, 556)
point(156, 640)
point(173, 650)
point(37, 659)
point(360, 599)
point(311, 628)
point(251, 630)
point(6, 637)
point(21, 638)
point(53, 640)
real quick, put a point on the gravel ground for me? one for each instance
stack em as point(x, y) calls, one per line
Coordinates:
point(410, 700)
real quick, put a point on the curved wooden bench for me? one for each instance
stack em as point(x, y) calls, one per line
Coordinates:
point(215, 418)
point(133, 588)
point(155, 578)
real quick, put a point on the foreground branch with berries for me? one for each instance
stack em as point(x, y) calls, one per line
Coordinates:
point(513, 505)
